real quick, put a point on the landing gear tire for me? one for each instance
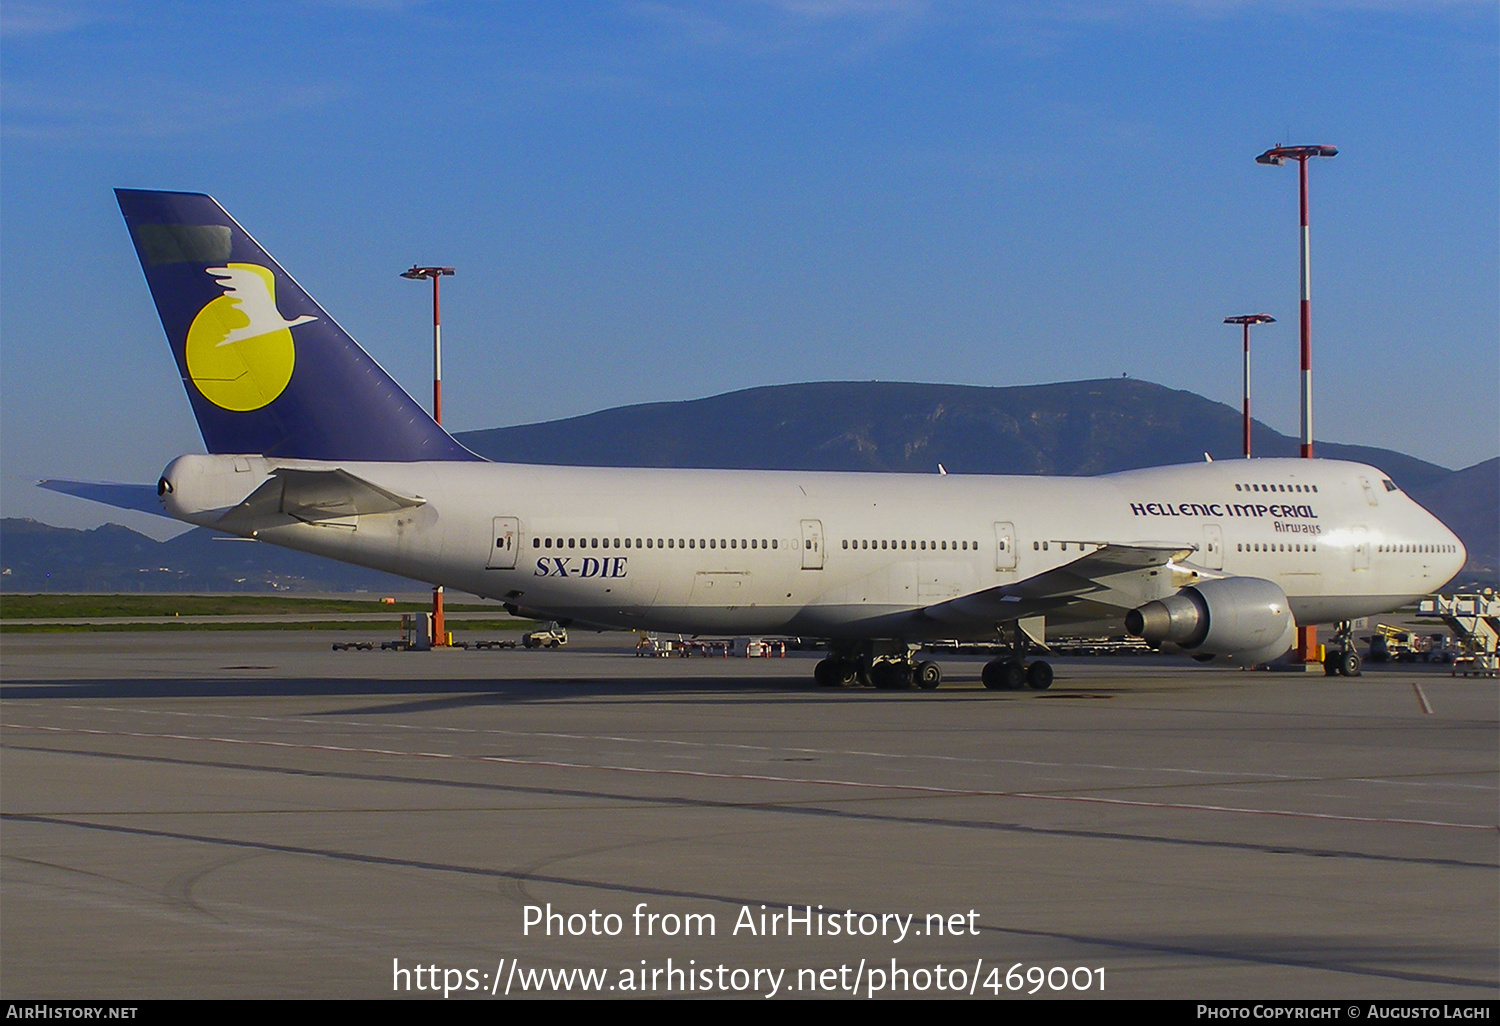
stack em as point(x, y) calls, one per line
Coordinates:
point(835, 673)
point(1039, 676)
point(993, 675)
point(891, 676)
point(927, 675)
point(823, 674)
point(1015, 675)
point(1349, 664)
point(1004, 675)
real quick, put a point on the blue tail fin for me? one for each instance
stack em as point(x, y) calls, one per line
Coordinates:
point(267, 371)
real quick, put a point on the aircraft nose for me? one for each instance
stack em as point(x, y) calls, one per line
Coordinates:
point(1460, 554)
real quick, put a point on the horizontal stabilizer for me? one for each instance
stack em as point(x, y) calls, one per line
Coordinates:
point(140, 497)
point(313, 496)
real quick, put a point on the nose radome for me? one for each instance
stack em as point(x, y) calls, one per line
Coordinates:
point(1461, 554)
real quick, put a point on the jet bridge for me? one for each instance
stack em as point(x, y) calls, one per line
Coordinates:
point(1475, 621)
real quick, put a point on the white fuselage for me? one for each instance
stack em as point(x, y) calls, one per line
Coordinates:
point(841, 555)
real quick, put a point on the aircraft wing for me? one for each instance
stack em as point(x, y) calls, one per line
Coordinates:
point(139, 497)
point(313, 496)
point(1112, 576)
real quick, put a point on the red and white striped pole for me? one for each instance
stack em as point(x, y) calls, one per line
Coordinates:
point(1246, 375)
point(1307, 637)
point(1302, 154)
point(1246, 320)
point(439, 627)
point(437, 353)
point(1307, 428)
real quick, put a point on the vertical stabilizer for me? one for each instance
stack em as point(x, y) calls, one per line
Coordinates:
point(266, 369)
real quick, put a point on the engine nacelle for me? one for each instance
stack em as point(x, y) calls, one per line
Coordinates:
point(1247, 619)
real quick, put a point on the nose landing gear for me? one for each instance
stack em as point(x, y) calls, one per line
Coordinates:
point(1343, 661)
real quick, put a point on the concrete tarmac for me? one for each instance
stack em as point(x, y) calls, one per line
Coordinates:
point(253, 815)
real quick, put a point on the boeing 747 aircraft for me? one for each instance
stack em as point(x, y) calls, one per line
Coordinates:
point(311, 445)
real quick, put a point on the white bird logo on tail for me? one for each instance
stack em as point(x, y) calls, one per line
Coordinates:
point(252, 298)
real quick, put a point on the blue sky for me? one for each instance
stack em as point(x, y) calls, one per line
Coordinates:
point(664, 200)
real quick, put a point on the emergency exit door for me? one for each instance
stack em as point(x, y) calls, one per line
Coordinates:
point(505, 541)
point(812, 544)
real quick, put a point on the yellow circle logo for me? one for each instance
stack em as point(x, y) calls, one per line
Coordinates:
point(239, 348)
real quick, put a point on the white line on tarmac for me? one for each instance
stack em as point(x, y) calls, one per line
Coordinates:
point(1422, 697)
point(321, 723)
point(755, 777)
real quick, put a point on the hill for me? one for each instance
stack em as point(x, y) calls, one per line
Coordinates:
point(1069, 428)
point(38, 557)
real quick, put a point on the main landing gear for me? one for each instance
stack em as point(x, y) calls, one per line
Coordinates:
point(1012, 672)
point(1343, 661)
point(894, 666)
point(888, 666)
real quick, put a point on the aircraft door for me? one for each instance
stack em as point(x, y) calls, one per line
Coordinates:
point(505, 542)
point(812, 544)
point(1361, 548)
point(1005, 546)
point(1213, 547)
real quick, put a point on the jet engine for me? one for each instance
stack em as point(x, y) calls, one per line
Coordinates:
point(1247, 619)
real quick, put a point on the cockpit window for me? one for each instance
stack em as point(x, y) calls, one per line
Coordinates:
point(1390, 485)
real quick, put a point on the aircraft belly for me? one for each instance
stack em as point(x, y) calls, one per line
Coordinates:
point(701, 620)
point(1311, 609)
